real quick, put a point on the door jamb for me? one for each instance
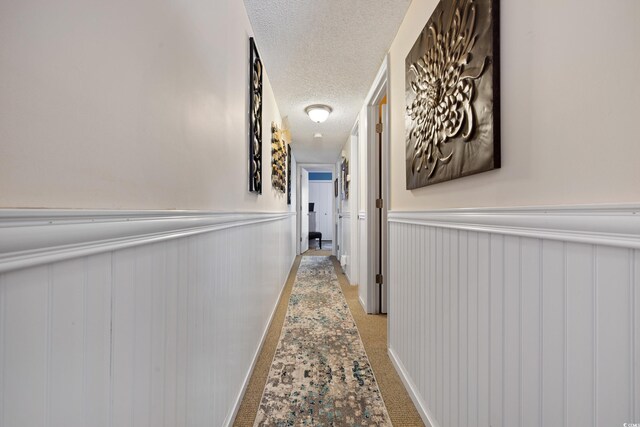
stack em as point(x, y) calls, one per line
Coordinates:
point(299, 167)
point(378, 91)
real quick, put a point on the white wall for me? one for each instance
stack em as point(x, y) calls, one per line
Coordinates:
point(520, 317)
point(137, 105)
point(349, 211)
point(138, 330)
point(363, 235)
point(363, 250)
point(132, 105)
point(569, 133)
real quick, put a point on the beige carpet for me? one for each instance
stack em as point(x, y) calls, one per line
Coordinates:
point(373, 330)
point(317, 252)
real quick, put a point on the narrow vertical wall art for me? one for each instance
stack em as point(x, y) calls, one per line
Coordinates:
point(452, 94)
point(289, 174)
point(278, 159)
point(255, 119)
point(344, 170)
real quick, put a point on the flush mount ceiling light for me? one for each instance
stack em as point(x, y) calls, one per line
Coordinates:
point(317, 135)
point(318, 113)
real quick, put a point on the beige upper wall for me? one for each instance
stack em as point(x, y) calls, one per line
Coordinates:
point(569, 108)
point(134, 105)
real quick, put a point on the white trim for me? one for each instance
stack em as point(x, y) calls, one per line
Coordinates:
point(354, 189)
point(612, 225)
point(362, 215)
point(230, 419)
point(349, 278)
point(427, 417)
point(40, 236)
point(362, 304)
point(379, 89)
point(299, 166)
point(379, 83)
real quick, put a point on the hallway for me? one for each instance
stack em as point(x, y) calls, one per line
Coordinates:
point(326, 271)
point(470, 167)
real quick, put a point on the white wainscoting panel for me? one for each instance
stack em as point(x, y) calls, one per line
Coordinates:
point(157, 334)
point(345, 226)
point(362, 275)
point(489, 328)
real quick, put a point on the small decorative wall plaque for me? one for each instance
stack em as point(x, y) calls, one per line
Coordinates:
point(278, 160)
point(452, 94)
point(344, 171)
point(289, 154)
point(255, 119)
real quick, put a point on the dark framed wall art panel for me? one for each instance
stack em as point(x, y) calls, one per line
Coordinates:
point(452, 92)
point(255, 119)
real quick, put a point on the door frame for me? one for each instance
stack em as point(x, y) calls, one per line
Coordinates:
point(354, 203)
point(327, 167)
point(376, 94)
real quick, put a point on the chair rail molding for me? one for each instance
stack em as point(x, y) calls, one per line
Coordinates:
point(613, 225)
point(32, 237)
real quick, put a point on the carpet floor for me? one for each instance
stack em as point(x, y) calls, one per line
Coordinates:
point(373, 330)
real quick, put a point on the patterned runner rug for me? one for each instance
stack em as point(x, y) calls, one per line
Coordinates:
point(320, 374)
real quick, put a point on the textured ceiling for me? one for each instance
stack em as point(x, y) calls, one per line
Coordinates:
point(323, 52)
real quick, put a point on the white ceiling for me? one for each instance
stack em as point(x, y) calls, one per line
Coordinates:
point(323, 52)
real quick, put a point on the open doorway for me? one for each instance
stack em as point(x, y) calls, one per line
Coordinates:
point(377, 193)
point(316, 222)
point(321, 190)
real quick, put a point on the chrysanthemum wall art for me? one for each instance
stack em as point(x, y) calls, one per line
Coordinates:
point(452, 94)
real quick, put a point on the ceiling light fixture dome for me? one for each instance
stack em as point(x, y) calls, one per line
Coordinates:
point(318, 112)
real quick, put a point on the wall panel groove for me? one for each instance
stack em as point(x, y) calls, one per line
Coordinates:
point(157, 334)
point(494, 329)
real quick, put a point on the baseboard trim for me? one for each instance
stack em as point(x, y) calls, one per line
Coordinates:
point(612, 225)
point(32, 237)
point(348, 278)
point(362, 304)
point(425, 414)
point(230, 419)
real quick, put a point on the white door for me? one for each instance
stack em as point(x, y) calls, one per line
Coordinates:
point(321, 194)
point(304, 211)
point(327, 211)
point(382, 213)
point(338, 221)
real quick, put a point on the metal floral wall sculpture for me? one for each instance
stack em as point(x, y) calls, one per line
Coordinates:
point(289, 154)
point(344, 171)
point(278, 160)
point(255, 119)
point(452, 94)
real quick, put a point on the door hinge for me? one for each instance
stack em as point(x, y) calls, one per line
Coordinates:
point(379, 203)
point(378, 127)
point(379, 279)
